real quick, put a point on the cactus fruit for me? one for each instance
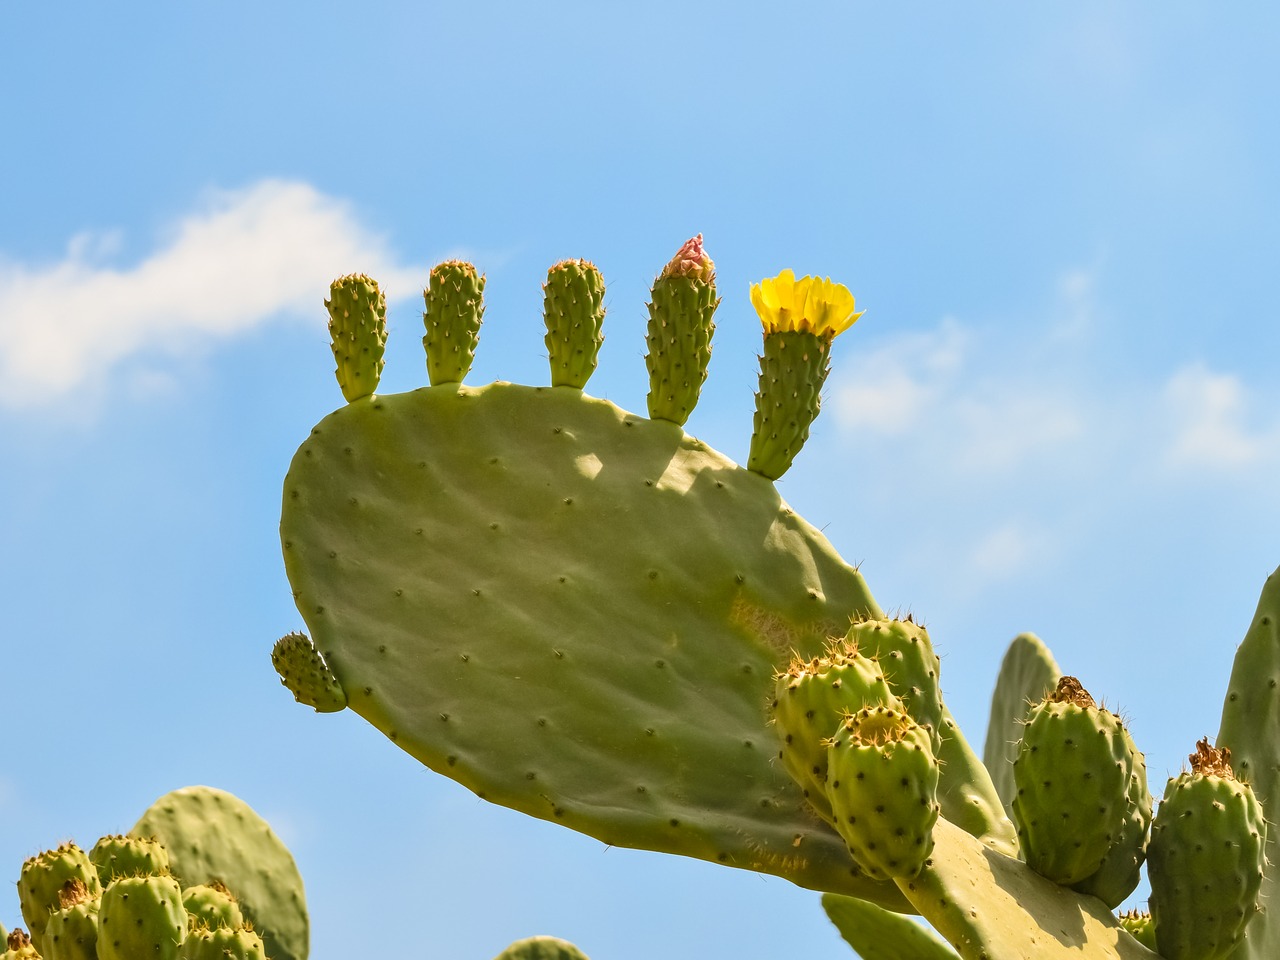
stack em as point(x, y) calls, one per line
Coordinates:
point(42, 879)
point(302, 669)
point(1073, 775)
point(1121, 869)
point(72, 930)
point(1139, 926)
point(811, 699)
point(223, 943)
point(358, 329)
point(119, 856)
point(212, 835)
point(877, 934)
point(211, 905)
point(883, 787)
point(141, 917)
point(1027, 673)
point(682, 304)
point(573, 309)
point(1206, 859)
point(541, 948)
point(801, 318)
point(20, 947)
point(454, 298)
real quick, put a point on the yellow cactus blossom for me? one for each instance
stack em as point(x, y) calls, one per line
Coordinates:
point(810, 304)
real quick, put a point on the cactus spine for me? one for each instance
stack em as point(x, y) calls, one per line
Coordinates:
point(358, 329)
point(682, 304)
point(454, 298)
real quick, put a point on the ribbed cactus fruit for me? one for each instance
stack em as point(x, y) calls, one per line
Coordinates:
point(42, 879)
point(120, 856)
point(358, 330)
point(573, 310)
point(682, 304)
point(1121, 869)
point(20, 947)
point(72, 930)
point(1206, 859)
point(454, 298)
point(1073, 775)
point(1250, 729)
point(211, 905)
point(541, 948)
point(883, 787)
point(811, 699)
point(302, 669)
point(141, 917)
point(223, 943)
point(1027, 674)
point(1137, 923)
point(213, 835)
point(801, 318)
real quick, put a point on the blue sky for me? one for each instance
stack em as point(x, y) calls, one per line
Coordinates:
point(1058, 414)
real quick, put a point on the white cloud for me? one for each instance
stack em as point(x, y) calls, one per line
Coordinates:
point(1208, 412)
point(245, 258)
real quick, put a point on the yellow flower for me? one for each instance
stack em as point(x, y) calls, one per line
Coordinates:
point(810, 304)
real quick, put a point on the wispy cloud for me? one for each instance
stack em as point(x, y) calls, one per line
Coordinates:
point(245, 257)
point(1018, 440)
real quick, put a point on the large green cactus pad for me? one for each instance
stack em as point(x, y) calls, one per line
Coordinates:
point(573, 611)
point(1251, 729)
point(992, 907)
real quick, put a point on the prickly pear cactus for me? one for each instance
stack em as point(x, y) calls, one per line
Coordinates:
point(223, 943)
point(72, 930)
point(120, 856)
point(42, 879)
point(542, 948)
point(141, 917)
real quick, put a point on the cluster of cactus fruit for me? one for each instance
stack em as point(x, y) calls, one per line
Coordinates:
point(595, 618)
point(199, 877)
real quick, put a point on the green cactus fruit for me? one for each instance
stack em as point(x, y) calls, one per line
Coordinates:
point(1138, 924)
point(302, 669)
point(682, 304)
point(541, 948)
point(905, 653)
point(20, 947)
point(1027, 674)
point(1073, 774)
point(883, 787)
point(879, 934)
point(1206, 859)
point(811, 699)
point(41, 881)
point(1121, 868)
point(212, 835)
point(573, 309)
point(120, 856)
point(800, 318)
point(793, 368)
point(141, 917)
point(454, 299)
point(72, 930)
point(1251, 731)
point(211, 905)
point(223, 943)
point(358, 329)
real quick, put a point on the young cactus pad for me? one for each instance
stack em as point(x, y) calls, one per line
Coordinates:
point(212, 835)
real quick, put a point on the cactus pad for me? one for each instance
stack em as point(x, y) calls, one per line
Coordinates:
point(305, 673)
point(212, 835)
point(1027, 673)
point(878, 934)
point(542, 948)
